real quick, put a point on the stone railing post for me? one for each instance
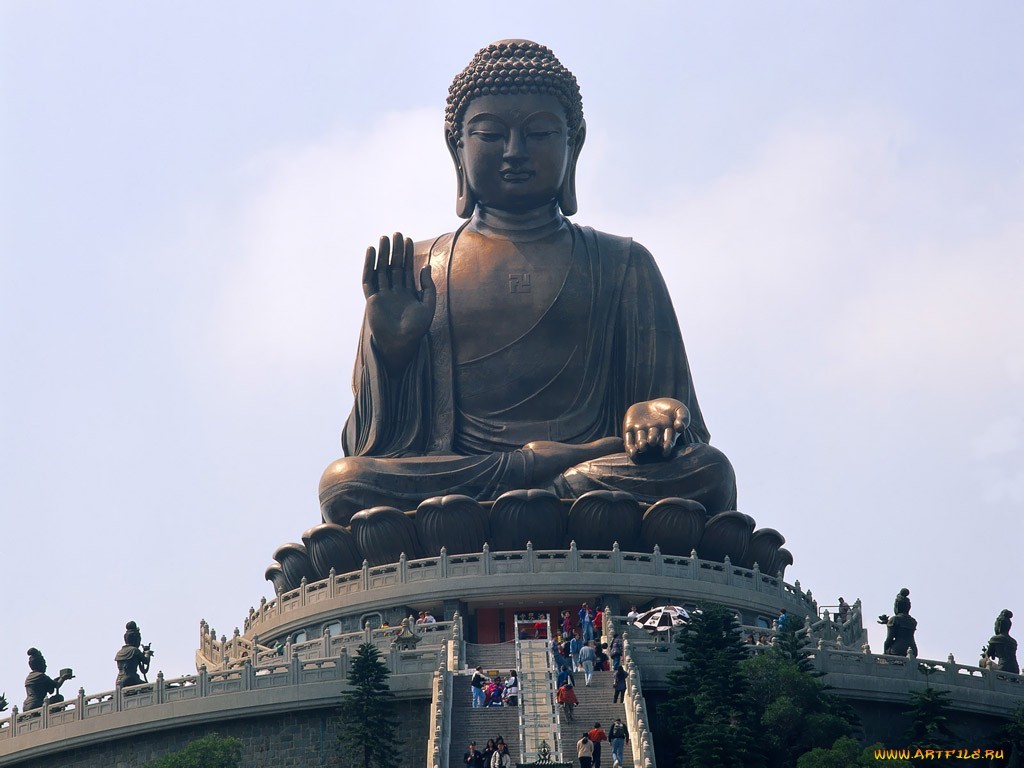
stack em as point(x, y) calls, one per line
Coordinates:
point(616, 558)
point(442, 564)
point(485, 559)
point(303, 586)
point(642, 741)
point(364, 581)
point(325, 643)
point(14, 721)
point(531, 561)
point(158, 688)
point(727, 567)
point(332, 583)
point(574, 557)
point(756, 570)
point(294, 668)
point(80, 705)
point(658, 562)
point(403, 568)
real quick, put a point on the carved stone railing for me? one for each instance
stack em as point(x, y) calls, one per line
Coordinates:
point(445, 568)
point(879, 666)
point(439, 741)
point(637, 722)
point(868, 676)
point(226, 653)
point(457, 646)
point(275, 672)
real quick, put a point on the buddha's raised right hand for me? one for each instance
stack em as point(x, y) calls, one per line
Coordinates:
point(399, 315)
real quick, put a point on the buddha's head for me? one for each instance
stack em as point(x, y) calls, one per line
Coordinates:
point(514, 127)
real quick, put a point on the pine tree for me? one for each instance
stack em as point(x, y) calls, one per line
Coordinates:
point(211, 751)
point(791, 707)
point(929, 719)
point(366, 727)
point(847, 752)
point(708, 707)
point(1011, 738)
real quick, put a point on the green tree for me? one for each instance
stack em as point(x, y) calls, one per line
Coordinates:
point(708, 710)
point(211, 751)
point(1011, 738)
point(366, 726)
point(929, 719)
point(791, 707)
point(847, 752)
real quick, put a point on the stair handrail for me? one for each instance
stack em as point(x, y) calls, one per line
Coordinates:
point(439, 743)
point(641, 738)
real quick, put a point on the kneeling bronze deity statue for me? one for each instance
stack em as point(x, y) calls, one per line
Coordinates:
point(522, 378)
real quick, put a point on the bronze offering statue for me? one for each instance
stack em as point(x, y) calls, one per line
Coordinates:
point(38, 685)
point(900, 628)
point(522, 360)
point(132, 658)
point(1003, 647)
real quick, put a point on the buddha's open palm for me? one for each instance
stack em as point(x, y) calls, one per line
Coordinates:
point(650, 429)
point(399, 315)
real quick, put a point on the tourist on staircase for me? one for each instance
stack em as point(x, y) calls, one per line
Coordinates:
point(566, 697)
point(476, 685)
point(585, 751)
point(587, 660)
point(597, 735)
point(511, 693)
point(575, 646)
point(619, 686)
point(488, 753)
point(618, 735)
point(472, 757)
point(501, 758)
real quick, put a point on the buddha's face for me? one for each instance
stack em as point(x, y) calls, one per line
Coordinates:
point(515, 150)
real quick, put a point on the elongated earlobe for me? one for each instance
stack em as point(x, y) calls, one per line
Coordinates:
point(567, 201)
point(465, 202)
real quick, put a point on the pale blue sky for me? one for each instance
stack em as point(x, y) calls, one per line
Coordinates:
point(834, 193)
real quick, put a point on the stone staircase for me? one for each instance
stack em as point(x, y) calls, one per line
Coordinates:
point(595, 707)
point(479, 725)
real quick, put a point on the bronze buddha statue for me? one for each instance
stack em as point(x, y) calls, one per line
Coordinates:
point(522, 353)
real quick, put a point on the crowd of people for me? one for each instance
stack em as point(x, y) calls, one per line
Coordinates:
point(588, 748)
point(496, 691)
point(494, 755)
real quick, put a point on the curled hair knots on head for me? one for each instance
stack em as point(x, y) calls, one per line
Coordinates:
point(514, 67)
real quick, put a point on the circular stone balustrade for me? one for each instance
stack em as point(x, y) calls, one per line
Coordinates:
point(597, 520)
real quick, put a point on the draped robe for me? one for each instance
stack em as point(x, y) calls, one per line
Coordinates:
point(608, 340)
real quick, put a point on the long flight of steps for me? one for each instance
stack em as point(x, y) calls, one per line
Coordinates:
point(595, 707)
point(479, 725)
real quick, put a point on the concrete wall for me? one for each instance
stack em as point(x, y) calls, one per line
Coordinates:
point(301, 739)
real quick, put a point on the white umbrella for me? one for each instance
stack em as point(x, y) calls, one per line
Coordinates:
point(662, 619)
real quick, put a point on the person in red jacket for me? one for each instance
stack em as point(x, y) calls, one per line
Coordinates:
point(566, 696)
point(597, 735)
